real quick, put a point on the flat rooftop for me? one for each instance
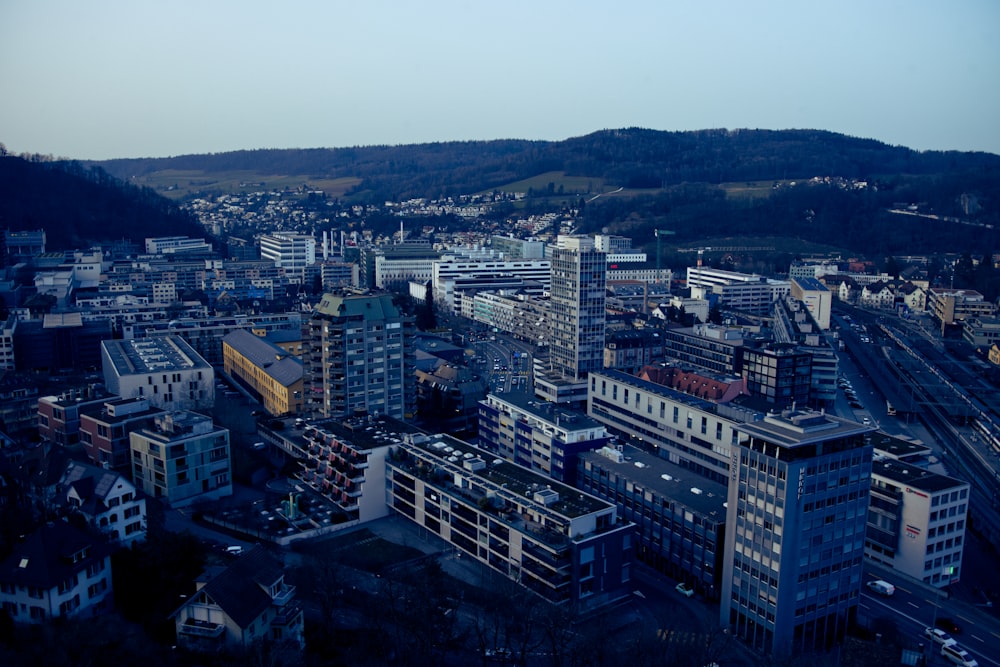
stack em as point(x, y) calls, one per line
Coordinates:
point(794, 428)
point(554, 413)
point(152, 355)
point(681, 485)
point(914, 477)
point(504, 476)
point(659, 390)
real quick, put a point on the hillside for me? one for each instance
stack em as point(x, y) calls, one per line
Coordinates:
point(732, 183)
point(79, 206)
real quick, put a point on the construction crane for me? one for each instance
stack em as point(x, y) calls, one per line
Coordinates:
point(660, 233)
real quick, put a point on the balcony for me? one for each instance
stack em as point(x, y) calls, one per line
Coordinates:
point(285, 595)
point(202, 629)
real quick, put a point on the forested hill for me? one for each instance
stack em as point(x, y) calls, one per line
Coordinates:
point(78, 206)
point(630, 158)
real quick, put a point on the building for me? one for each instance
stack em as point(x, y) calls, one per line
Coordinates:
point(679, 516)
point(59, 341)
point(205, 334)
point(711, 347)
point(545, 437)
point(576, 319)
point(59, 571)
point(917, 521)
point(566, 546)
point(173, 245)
point(7, 329)
point(781, 375)
point(795, 531)
point(289, 251)
point(106, 426)
point(59, 417)
point(107, 500)
point(688, 431)
point(166, 371)
point(982, 332)
point(632, 349)
point(748, 293)
point(511, 248)
point(793, 323)
point(358, 358)
point(452, 275)
point(345, 462)
point(816, 297)
point(268, 372)
point(953, 305)
point(182, 459)
point(246, 602)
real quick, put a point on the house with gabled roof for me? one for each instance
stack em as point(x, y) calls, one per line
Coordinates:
point(59, 571)
point(241, 604)
point(109, 501)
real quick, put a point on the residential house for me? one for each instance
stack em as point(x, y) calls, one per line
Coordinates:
point(59, 571)
point(236, 606)
point(109, 501)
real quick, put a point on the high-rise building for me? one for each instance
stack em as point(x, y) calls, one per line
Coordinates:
point(795, 531)
point(357, 356)
point(292, 252)
point(576, 318)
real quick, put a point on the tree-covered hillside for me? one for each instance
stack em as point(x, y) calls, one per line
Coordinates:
point(78, 206)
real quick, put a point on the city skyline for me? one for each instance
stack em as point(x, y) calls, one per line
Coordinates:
point(125, 80)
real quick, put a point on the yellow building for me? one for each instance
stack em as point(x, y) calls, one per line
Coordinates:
point(267, 371)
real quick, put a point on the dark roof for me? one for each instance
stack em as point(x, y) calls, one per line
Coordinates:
point(276, 362)
point(241, 589)
point(914, 477)
point(46, 558)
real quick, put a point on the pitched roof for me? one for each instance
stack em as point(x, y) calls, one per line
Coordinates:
point(92, 484)
point(241, 589)
point(46, 558)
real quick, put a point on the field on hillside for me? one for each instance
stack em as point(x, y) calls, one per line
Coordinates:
point(181, 185)
point(557, 179)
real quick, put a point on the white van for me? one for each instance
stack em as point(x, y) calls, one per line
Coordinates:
point(881, 587)
point(958, 655)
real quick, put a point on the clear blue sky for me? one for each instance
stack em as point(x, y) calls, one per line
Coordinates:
point(109, 78)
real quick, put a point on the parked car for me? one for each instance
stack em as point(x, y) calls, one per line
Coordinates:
point(684, 589)
point(939, 637)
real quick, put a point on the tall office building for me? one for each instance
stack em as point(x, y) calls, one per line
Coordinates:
point(357, 358)
point(291, 252)
point(795, 531)
point(579, 280)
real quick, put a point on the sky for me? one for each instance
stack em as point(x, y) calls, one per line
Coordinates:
point(140, 78)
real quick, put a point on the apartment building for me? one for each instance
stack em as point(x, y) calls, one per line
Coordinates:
point(358, 358)
point(576, 320)
point(268, 372)
point(568, 547)
point(797, 509)
point(59, 417)
point(917, 521)
point(106, 426)
point(542, 436)
point(166, 371)
point(183, 458)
